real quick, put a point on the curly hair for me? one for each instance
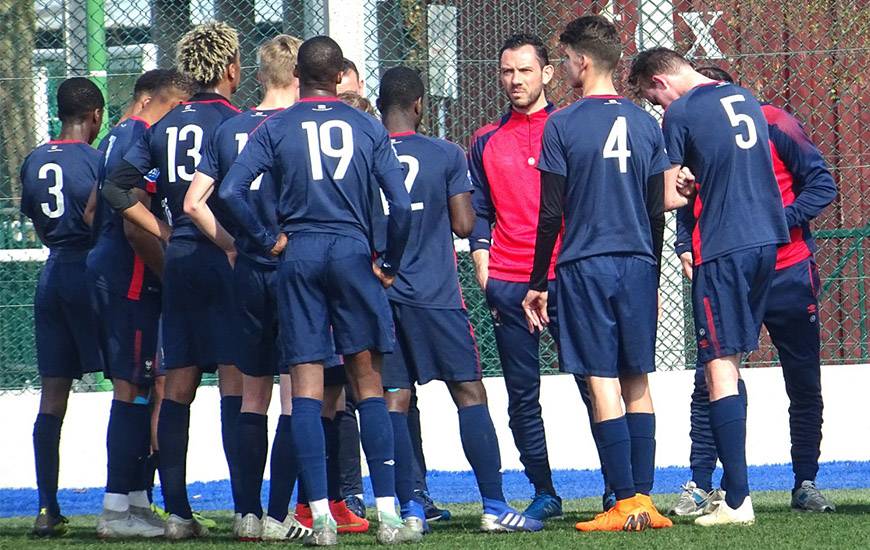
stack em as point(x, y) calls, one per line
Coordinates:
point(358, 102)
point(205, 52)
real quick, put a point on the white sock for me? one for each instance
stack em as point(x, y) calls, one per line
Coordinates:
point(116, 502)
point(319, 508)
point(139, 499)
point(386, 505)
point(359, 496)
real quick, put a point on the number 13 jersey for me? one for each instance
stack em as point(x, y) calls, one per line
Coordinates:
point(719, 131)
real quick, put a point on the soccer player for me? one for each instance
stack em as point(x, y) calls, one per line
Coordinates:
point(502, 160)
point(718, 131)
point(125, 267)
point(56, 180)
point(198, 311)
point(791, 317)
point(607, 270)
point(350, 79)
point(435, 339)
point(331, 157)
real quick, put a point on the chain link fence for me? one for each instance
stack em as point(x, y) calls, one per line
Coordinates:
point(810, 57)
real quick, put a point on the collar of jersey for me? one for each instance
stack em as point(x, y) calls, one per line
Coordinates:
point(65, 142)
point(202, 97)
point(318, 98)
point(403, 134)
point(142, 120)
point(543, 113)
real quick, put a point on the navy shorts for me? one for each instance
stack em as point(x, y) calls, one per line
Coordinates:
point(327, 281)
point(608, 307)
point(128, 334)
point(258, 318)
point(65, 319)
point(199, 315)
point(729, 299)
point(432, 344)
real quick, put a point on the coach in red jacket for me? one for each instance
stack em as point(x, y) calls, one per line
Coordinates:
point(503, 162)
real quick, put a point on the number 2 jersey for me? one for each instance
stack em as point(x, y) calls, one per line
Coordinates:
point(435, 170)
point(56, 181)
point(174, 146)
point(719, 132)
point(606, 148)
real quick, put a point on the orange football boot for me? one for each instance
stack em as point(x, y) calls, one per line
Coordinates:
point(347, 521)
point(627, 515)
point(656, 520)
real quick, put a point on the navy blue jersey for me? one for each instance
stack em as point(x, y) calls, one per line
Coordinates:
point(435, 170)
point(606, 148)
point(718, 131)
point(331, 158)
point(174, 146)
point(259, 201)
point(112, 256)
point(56, 181)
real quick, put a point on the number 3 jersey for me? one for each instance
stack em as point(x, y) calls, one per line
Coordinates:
point(56, 181)
point(435, 170)
point(174, 146)
point(718, 130)
point(606, 148)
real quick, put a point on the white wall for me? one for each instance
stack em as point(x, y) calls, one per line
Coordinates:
point(83, 450)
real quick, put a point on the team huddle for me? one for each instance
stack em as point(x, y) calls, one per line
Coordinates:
point(309, 240)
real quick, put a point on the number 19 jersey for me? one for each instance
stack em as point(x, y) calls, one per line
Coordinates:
point(606, 148)
point(718, 130)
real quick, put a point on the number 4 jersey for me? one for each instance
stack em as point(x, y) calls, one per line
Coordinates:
point(718, 130)
point(606, 148)
point(56, 181)
point(174, 146)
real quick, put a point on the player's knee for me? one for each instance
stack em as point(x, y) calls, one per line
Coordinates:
point(230, 380)
point(125, 391)
point(398, 399)
point(54, 395)
point(467, 394)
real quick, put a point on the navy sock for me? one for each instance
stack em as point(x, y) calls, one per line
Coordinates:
point(741, 390)
point(702, 457)
point(376, 435)
point(642, 427)
point(282, 469)
point(46, 442)
point(481, 449)
point(172, 437)
point(123, 446)
point(404, 457)
point(333, 471)
point(142, 428)
point(231, 406)
point(728, 420)
point(301, 495)
point(308, 440)
point(252, 447)
point(614, 443)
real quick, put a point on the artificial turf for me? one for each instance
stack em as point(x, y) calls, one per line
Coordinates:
point(777, 527)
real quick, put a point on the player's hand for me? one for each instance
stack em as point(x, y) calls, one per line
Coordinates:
point(535, 308)
point(231, 257)
point(686, 261)
point(686, 182)
point(280, 245)
point(386, 280)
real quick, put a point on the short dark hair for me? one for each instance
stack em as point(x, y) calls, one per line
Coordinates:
point(348, 65)
point(320, 60)
point(400, 87)
point(596, 37)
point(159, 80)
point(77, 98)
point(652, 62)
point(716, 73)
point(517, 41)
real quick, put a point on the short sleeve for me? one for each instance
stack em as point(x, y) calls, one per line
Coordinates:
point(139, 155)
point(458, 177)
point(553, 155)
point(675, 130)
point(210, 163)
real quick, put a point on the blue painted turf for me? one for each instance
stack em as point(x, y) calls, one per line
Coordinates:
point(447, 487)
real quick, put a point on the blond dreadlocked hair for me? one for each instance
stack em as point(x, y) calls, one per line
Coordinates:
point(205, 52)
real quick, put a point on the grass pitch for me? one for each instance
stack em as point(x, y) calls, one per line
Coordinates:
point(777, 527)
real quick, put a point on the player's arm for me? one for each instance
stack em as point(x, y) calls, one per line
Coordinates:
point(481, 234)
point(91, 207)
point(459, 192)
point(144, 244)
point(119, 193)
point(814, 185)
point(676, 192)
point(672, 148)
point(196, 206)
point(655, 209)
point(390, 177)
point(549, 227)
point(257, 157)
point(683, 243)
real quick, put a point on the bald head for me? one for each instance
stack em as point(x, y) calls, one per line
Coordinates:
point(320, 63)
